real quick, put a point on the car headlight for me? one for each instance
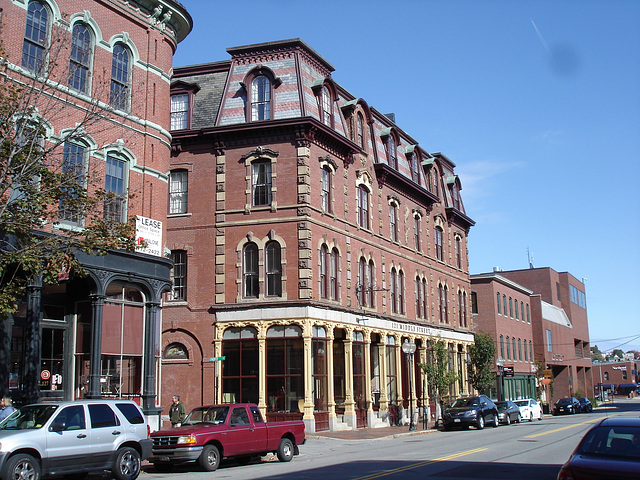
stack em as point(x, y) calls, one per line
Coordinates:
point(470, 413)
point(186, 440)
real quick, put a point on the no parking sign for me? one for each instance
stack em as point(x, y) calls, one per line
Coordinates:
point(45, 374)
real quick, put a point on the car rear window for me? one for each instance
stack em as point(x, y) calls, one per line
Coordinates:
point(102, 416)
point(131, 412)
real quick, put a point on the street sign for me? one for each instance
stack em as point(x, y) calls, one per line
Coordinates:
point(507, 371)
point(216, 359)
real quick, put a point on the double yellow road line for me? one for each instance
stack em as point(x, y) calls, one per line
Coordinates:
point(393, 471)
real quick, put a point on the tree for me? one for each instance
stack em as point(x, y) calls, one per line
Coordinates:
point(480, 363)
point(617, 353)
point(51, 206)
point(596, 354)
point(439, 373)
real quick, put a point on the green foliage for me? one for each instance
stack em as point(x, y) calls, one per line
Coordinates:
point(38, 190)
point(437, 370)
point(481, 355)
point(596, 354)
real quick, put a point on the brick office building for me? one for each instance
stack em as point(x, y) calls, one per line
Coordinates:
point(312, 236)
point(502, 308)
point(618, 377)
point(560, 329)
point(111, 61)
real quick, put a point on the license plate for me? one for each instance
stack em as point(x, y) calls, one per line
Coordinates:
point(456, 420)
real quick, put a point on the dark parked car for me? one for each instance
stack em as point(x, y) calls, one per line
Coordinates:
point(508, 412)
point(610, 449)
point(465, 411)
point(585, 405)
point(566, 405)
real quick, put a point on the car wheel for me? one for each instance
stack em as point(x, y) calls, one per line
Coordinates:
point(127, 464)
point(285, 450)
point(209, 459)
point(480, 424)
point(519, 419)
point(496, 421)
point(22, 467)
point(507, 420)
point(531, 417)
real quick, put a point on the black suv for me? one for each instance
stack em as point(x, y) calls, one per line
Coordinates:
point(474, 411)
point(567, 405)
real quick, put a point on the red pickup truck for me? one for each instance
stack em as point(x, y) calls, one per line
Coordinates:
point(213, 432)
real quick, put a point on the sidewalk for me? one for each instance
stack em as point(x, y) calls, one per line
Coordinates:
point(373, 433)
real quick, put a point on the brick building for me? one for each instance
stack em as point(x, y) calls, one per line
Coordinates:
point(502, 308)
point(560, 329)
point(109, 61)
point(618, 378)
point(312, 237)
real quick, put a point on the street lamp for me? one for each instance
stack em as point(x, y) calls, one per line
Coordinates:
point(409, 349)
point(500, 365)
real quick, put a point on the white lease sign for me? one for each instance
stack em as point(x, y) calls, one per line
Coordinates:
point(150, 231)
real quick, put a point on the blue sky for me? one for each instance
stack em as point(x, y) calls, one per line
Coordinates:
point(536, 102)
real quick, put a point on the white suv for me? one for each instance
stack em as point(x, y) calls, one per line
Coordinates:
point(74, 438)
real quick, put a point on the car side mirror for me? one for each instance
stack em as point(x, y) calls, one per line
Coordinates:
point(58, 427)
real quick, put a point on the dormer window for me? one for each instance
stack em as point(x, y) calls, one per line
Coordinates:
point(392, 152)
point(180, 111)
point(260, 98)
point(327, 108)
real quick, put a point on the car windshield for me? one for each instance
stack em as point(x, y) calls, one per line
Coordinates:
point(502, 405)
point(28, 417)
point(215, 415)
point(466, 402)
point(564, 401)
point(522, 403)
point(618, 441)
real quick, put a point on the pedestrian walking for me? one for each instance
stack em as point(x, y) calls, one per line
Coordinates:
point(177, 412)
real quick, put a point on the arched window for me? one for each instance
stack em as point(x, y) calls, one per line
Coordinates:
point(250, 270)
point(418, 294)
point(424, 297)
point(80, 58)
point(458, 252)
point(393, 221)
point(504, 305)
point(436, 181)
point(360, 130)
point(319, 363)
point(460, 309)
point(525, 351)
point(175, 351)
point(508, 349)
point(35, 37)
point(274, 269)
point(327, 107)
point(364, 283)
point(394, 291)
point(327, 175)
point(513, 344)
point(464, 309)
point(417, 220)
point(438, 244)
point(324, 277)
point(502, 346)
point(285, 367)
point(240, 368)
point(261, 98)
point(392, 152)
point(335, 265)
point(74, 161)
point(528, 319)
point(517, 314)
point(443, 304)
point(115, 185)
point(522, 311)
point(498, 304)
point(363, 207)
point(400, 308)
point(519, 350)
point(120, 78)
point(510, 307)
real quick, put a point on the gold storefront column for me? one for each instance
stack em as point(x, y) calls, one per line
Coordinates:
point(262, 368)
point(349, 404)
point(331, 400)
point(307, 412)
point(217, 352)
point(384, 394)
point(399, 359)
point(367, 377)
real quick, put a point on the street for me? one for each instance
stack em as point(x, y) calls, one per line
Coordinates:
point(533, 451)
